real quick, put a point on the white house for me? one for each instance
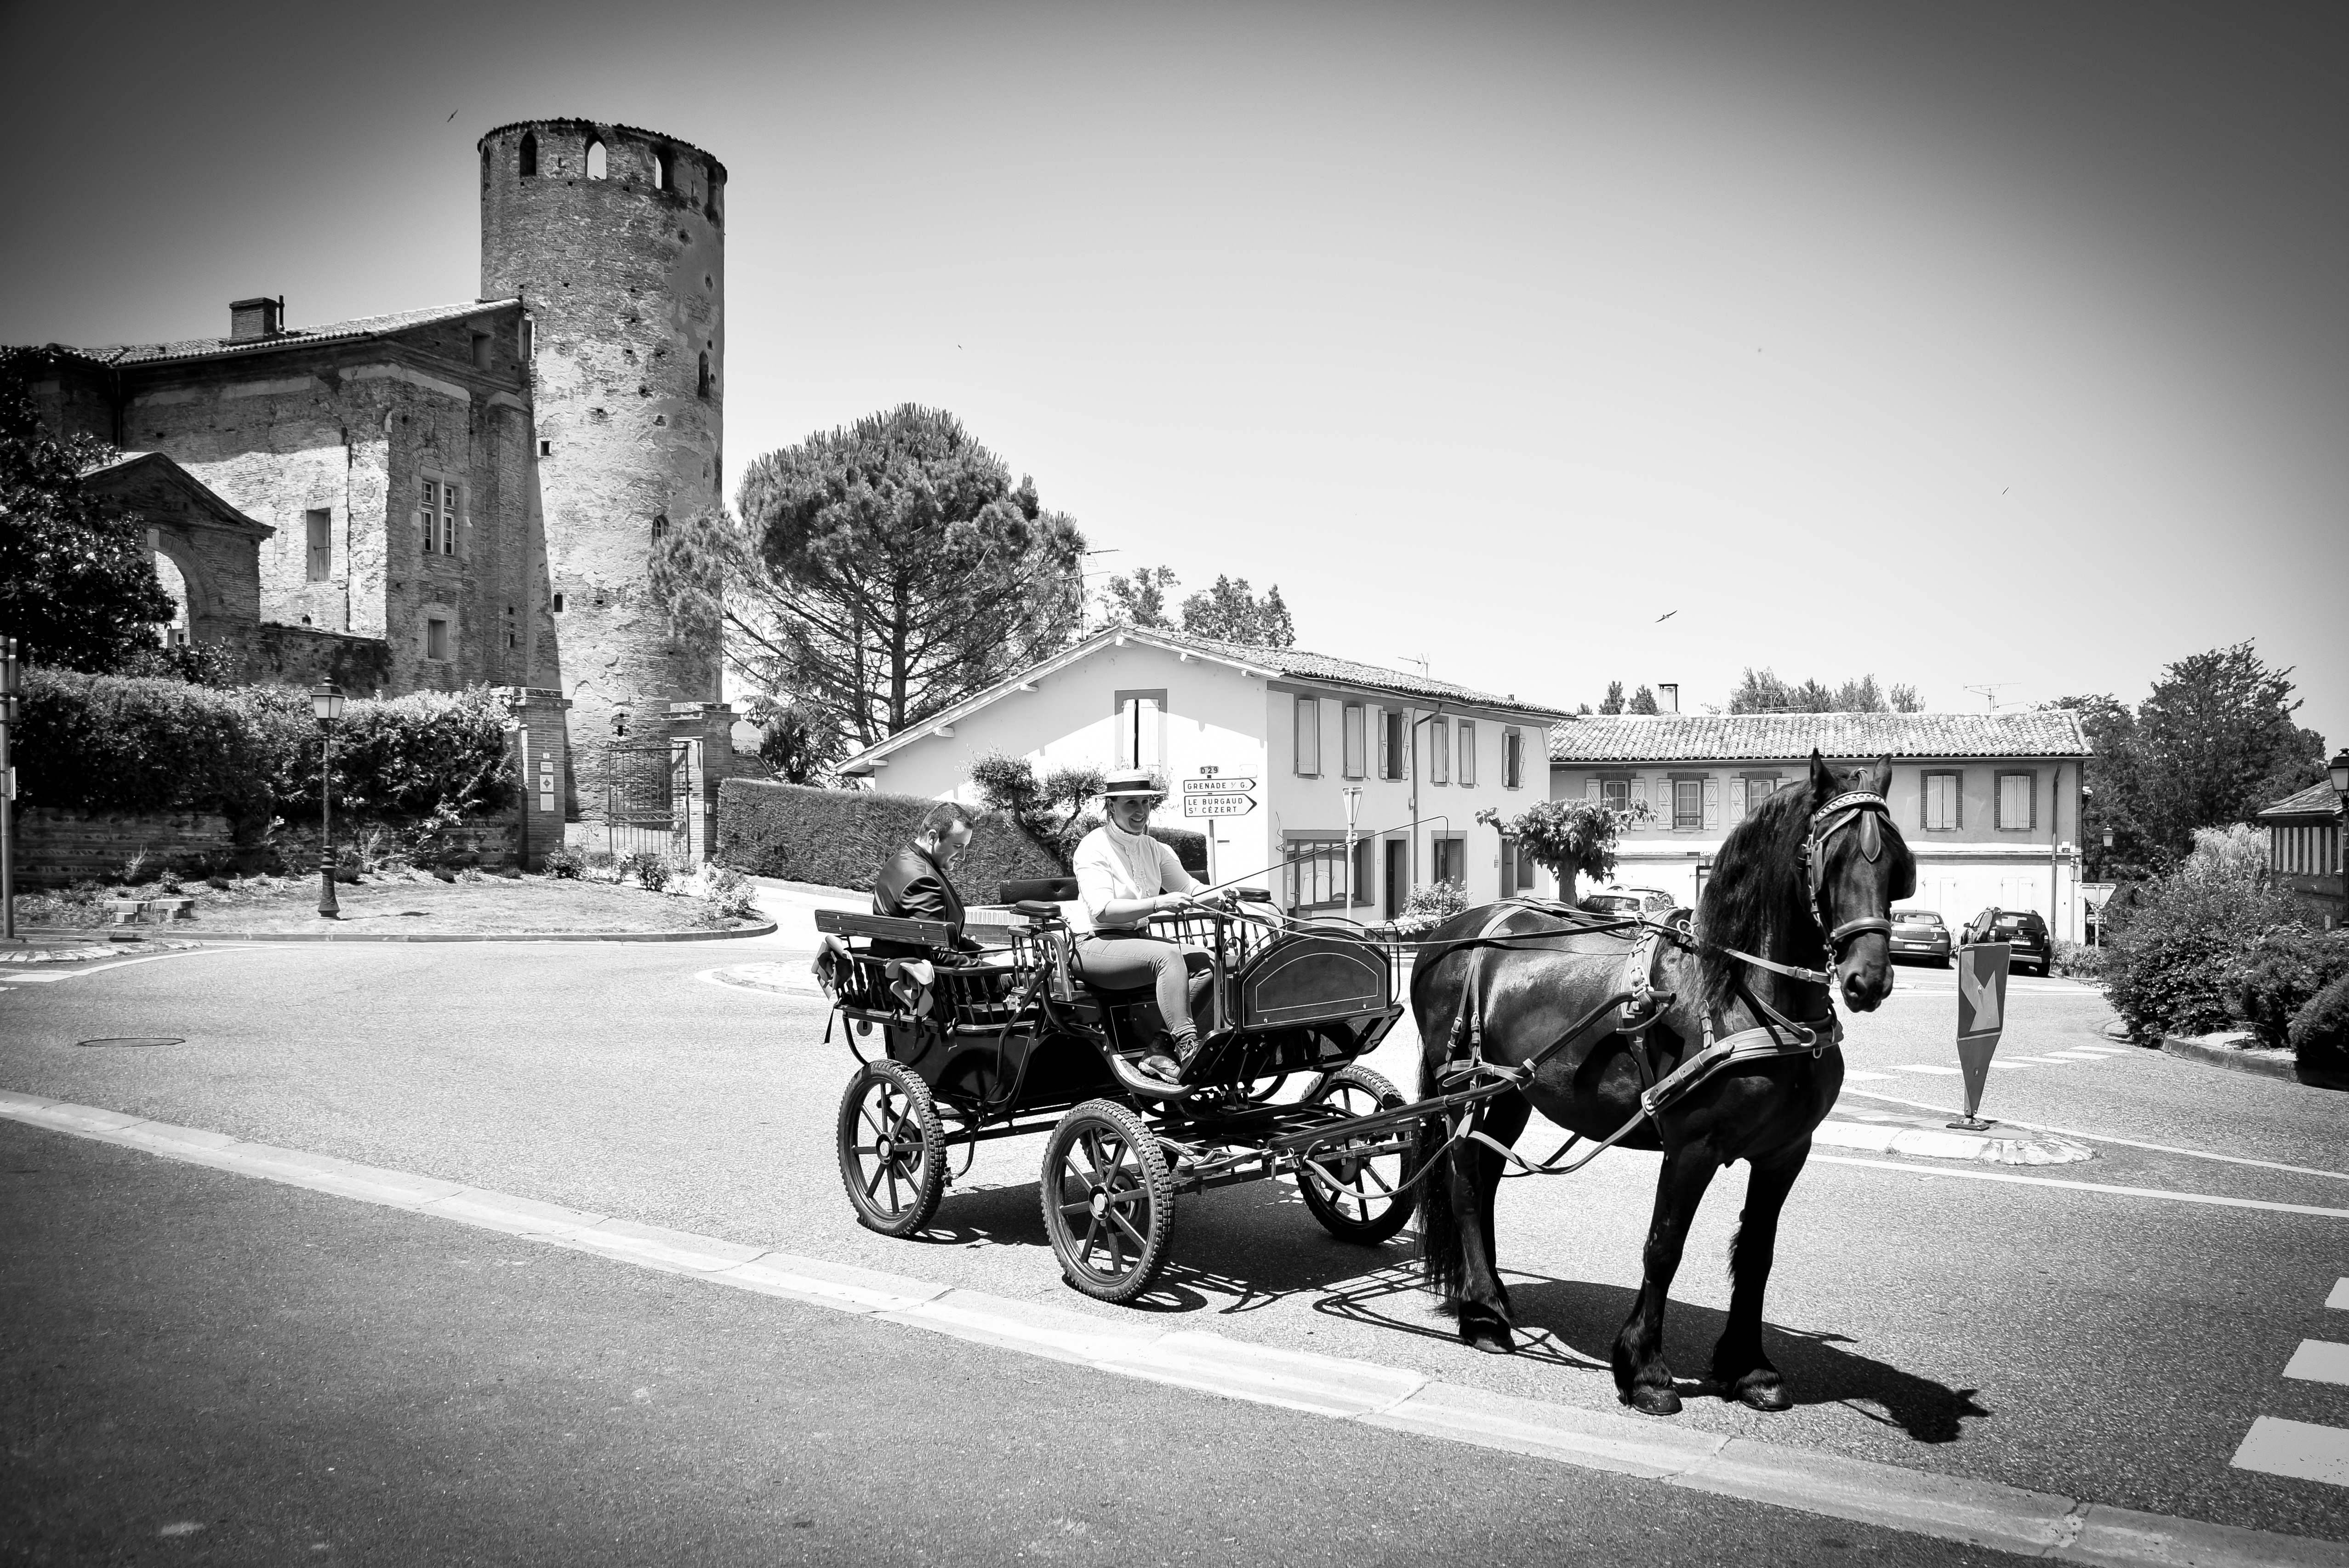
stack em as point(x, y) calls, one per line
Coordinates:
point(1302, 730)
point(1989, 803)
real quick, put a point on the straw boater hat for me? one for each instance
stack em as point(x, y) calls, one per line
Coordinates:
point(1128, 781)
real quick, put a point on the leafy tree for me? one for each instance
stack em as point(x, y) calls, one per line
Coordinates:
point(1139, 598)
point(1614, 702)
point(1763, 691)
point(77, 584)
point(798, 742)
point(2212, 744)
point(1050, 809)
point(1229, 612)
point(1570, 837)
point(881, 573)
point(1642, 701)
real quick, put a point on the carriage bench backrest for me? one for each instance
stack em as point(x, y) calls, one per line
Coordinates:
point(888, 927)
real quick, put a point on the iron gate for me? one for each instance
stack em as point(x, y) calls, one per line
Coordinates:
point(645, 805)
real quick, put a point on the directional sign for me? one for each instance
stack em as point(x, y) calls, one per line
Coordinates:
point(1982, 1015)
point(1218, 805)
point(1217, 786)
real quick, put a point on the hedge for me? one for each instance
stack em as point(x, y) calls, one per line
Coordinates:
point(112, 743)
point(839, 838)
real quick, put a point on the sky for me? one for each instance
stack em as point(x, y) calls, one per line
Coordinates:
point(1999, 349)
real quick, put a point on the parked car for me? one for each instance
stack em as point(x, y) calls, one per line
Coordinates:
point(1640, 901)
point(2025, 931)
point(1919, 933)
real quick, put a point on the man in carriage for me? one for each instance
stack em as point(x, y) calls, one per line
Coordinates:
point(1124, 877)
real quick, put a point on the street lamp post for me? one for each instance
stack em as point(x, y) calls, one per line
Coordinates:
point(326, 707)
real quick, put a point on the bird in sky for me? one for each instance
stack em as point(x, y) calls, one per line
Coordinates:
point(452, 114)
point(1668, 614)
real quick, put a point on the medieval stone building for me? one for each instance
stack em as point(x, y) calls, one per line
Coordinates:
point(466, 492)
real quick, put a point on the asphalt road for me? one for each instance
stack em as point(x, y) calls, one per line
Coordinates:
point(199, 1367)
point(2088, 1343)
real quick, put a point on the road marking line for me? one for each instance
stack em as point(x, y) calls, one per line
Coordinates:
point(2089, 1187)
point(1945, 1507)
point(2339, 1299)
point(2069, 1056)
point(2295, 1449)
point(2103, 1050)
point(99, 966)
point(1923, 1068)
point(2124, 1142)
point(2318, 1361)
point(1855, 1075)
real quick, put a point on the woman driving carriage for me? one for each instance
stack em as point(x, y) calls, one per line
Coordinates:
point(1124, 877)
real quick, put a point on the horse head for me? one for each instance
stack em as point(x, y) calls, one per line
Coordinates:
point(1860, 866)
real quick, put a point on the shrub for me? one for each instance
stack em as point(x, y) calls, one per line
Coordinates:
point(2174, 957)
point(2281, 975)
point(2078, 960)
point(2319, 1034)
point(130, 744)
point(1430, 906)
point(728, 892)
point(651, 871)
point(564, 865)
point(840, 836)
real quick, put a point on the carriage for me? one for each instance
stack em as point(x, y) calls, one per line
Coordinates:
point(951, 1058)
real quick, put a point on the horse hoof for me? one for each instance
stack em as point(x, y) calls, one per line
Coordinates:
point(1653, 1402)
point(1757, 1388)
point(1492, 1338)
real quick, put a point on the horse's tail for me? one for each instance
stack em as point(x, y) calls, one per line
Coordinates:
point(1441, 1259)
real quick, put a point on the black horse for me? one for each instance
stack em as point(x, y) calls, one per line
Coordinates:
point(1811, 875)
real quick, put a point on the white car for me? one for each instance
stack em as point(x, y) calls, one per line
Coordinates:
point(1640, 901)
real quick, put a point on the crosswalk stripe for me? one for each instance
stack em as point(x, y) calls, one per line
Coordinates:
point(2318, 1361)
point(2339, 1299)
point(2295, 1449)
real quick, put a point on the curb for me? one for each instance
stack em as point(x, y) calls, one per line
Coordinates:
point(1920, 1502)
point(269, 936)
point(2258, 1063)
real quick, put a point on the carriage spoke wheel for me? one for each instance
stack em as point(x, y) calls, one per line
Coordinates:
point(1109, 1200)
point(892, 1153)
point(1359, 1198)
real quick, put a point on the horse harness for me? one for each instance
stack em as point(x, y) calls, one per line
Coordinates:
point(1643, 1004)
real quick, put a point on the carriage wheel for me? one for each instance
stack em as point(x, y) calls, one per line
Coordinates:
point(1358, 1200)
point(1109, 1200)
point(892, 1153)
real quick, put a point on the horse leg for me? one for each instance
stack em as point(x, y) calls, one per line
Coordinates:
point(1641, 1377)
point(1484, 1305)
point(1739, 1368)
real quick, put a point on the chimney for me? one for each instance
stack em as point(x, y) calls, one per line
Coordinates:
point(1668, 697)
point(253, 318)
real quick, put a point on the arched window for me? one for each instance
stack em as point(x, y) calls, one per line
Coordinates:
point(664, 177)
point(594, 160)
point(704, 372)
point(529, 154)
point(660, 526)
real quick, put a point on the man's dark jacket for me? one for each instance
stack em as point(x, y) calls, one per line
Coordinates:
point(912, 886)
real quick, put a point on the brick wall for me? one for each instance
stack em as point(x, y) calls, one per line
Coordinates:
point(58, 845)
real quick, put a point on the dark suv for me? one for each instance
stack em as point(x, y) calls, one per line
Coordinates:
point(2025, 931)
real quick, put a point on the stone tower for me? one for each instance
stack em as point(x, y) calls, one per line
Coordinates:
point(614, 240)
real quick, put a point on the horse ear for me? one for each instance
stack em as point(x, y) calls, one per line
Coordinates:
point(1824, 785)
point(1882, 784)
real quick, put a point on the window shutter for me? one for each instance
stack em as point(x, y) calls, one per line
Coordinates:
point(1711, 803)
point(1638, 792)
point(1386, 751)
point(2034, 801)
point(1590, 791)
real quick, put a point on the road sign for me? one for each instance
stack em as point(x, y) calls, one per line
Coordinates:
point(1218, 805)
point(1217, 786)
point(1981, 1016)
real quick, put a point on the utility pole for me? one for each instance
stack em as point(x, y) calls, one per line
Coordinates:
point(9, 686)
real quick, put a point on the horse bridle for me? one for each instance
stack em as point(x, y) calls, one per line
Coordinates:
point(1852, 806)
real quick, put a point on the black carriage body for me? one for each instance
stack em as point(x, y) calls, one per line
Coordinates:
point(1022, 1035)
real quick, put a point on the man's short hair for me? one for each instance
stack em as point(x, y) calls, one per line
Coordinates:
point(945, 815)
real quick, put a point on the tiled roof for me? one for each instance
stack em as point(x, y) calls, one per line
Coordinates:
point(1299, 665)
point(293, 338)
point(1778, 737)
point(2319, 800)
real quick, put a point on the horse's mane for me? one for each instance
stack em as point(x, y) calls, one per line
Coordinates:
point(1756, 890)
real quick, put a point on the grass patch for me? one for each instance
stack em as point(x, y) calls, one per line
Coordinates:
point(409, 901)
